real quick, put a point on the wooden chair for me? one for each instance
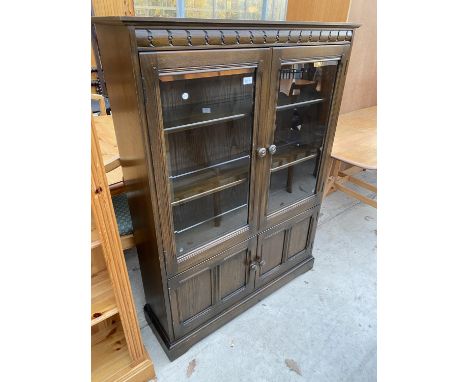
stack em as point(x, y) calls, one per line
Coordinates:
point(354, 147)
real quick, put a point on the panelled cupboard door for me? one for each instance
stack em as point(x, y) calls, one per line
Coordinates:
point(303, 82)
point(284, 246)
point(204, 291)
point(207, 107)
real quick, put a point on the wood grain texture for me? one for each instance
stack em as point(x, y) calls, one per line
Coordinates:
point(106, 224)
point(317, 10)
point(113, 7)
point(232, 274)
point(103, 303)
point(110, 356)
point(108, 145)
point(361, 82)
point(272, 251)
point(356, 138)
point(298, 237)
point(198, 285)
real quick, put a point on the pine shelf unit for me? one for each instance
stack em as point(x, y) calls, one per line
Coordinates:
point(117, 350)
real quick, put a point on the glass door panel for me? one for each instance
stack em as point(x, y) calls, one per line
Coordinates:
point(208, 125)
point(303, 105)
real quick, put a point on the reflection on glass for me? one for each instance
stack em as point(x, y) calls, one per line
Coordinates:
point(208, 119)
point(304, 96)
point(217, 9)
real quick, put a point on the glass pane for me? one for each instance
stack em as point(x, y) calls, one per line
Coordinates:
point(208, 122)
point(217, 9)
point(304, 98)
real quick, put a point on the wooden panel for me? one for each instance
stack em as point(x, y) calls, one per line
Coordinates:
point(200, 293)
point(298, 237)
point(103, 303)
point(287, 244)
point(361, 82)
point(110, 354)
point(106, 224)
point(194, 295)
point(108, 145)
point(232, 274)
point(98, 264)
point(317, 10)
point(272, 251)
point(113, 8)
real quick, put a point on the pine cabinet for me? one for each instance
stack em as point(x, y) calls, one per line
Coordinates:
point(224, 130)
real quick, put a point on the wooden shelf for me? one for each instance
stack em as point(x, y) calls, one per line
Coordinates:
point(207, 122)
point(103, 303)
point(95, 240)
point(210, 181)
point(110, 356)
point(299, 104)
point(223, 111)
point(291, 156)
point(211, 218)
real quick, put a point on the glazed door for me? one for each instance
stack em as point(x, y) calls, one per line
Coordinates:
point(207, 106)
point(304, 84)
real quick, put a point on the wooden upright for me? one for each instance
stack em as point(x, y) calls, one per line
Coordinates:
point(117, 352)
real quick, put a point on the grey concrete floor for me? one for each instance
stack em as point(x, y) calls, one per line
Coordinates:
point(322, 324)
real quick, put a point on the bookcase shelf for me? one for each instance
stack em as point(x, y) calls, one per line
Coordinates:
point(117, 351)
point(103, 303)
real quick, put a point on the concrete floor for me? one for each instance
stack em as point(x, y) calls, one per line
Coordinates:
point(319, 327)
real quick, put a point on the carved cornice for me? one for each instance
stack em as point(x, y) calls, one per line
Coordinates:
point(167, 38)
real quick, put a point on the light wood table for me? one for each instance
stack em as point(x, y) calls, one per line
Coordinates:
point(110, 152)
point(354, 147)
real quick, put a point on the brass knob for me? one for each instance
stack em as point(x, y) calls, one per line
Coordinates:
point(261, 152)
point(272, 149)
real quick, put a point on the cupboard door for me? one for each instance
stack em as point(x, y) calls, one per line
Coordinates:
point(284, 246)
point(208, 119)
point(302, 92)
point(199, 294)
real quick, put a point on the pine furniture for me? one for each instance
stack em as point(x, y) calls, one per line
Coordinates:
point(117, 350)
point(224, 130)
point(354, 147)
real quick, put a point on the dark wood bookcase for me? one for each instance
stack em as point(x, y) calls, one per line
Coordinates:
point(224, 130)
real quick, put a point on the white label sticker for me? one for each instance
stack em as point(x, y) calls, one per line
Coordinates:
point(247, 80)
point(206, 110)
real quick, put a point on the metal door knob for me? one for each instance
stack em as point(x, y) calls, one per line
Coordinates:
point(253, 266)
point(261, 263)
point(261, 152)
point(272, 149)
